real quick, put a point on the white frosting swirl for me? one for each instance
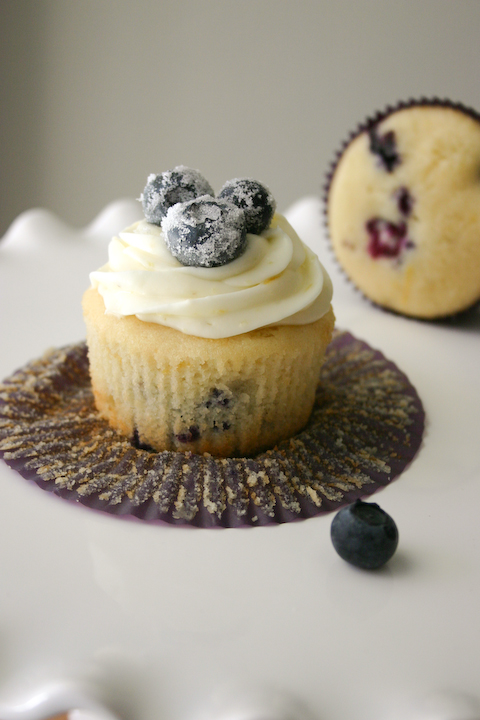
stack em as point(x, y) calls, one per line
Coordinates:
point(277, 281)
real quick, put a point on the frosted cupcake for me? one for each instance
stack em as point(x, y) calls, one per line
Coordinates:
point(208, 326)
point(403, 207)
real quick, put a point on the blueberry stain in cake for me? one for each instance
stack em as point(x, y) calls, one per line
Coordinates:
point(385, 148)
point(387, 239)
point(136, 442)
point(205, 232)
point(220, 405)
point(254, 199)
point(173, 186)
point(404, 201)
point(218, 399)
point(221, 427)
point(364, 535)
point(189, 436)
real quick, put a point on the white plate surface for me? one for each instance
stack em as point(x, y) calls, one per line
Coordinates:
point(153, 621)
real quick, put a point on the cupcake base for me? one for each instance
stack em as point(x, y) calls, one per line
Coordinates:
point(366, 426)
point(232, 396)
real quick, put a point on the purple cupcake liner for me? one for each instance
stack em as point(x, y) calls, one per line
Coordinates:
point(365, 428)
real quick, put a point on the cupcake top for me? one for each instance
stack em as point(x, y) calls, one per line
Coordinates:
point(212, 267)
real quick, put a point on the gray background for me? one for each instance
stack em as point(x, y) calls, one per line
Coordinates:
point(97, 94)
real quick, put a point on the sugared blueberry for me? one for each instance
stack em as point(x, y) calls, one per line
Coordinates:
point(205, 232)
point(385, 147)
point(173, 186)
point(364, 535)
point(254, 199)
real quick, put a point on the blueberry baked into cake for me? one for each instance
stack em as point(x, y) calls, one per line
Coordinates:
point(403, 208)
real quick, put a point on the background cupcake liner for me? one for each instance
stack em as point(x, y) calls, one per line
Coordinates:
point(364, 126)
point(366, 426)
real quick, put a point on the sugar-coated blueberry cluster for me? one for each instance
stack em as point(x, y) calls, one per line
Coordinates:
point(200, 229)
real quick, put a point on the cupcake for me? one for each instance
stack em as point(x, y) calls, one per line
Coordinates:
point(208, 326)
point(403, 208)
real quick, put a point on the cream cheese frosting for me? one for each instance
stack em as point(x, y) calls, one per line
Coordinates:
point(278, 280)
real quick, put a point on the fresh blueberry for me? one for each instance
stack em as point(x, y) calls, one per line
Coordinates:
point(385, 147)
point(386, 239)
point(364, 535)
point(171, 187)
point(254, 199)
point(205, 232)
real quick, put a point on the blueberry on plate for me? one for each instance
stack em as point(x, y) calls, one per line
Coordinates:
point(205, 232)
point(171, 187)
point(255, 199)
point(364, 535)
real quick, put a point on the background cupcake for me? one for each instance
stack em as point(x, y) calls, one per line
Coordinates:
point(403, 208)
